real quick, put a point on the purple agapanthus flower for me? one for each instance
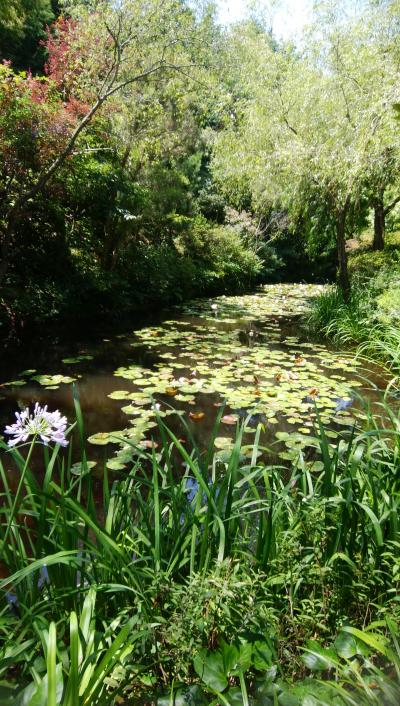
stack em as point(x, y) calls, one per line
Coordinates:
point(47, 426)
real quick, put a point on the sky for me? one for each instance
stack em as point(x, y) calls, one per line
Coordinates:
point(287, 22)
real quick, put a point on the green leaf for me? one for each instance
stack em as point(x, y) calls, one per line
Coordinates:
point(210, 668)
point(190, 696)
point(345, 645)
point(371, 639)
point(318, 658)
point(262, 656)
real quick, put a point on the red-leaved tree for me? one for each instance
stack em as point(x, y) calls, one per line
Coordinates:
point(90, 60)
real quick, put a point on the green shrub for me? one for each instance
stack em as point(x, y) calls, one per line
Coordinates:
point(222, 605)
point(370, 318)
point(364, 265)
point(388, 304)
point(223, 260)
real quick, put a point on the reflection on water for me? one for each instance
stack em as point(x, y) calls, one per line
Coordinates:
point(248, 352)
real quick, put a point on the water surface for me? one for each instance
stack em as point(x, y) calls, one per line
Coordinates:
point(251, 353)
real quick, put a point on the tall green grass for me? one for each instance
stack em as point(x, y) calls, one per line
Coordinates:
point(90, 582)
point(357, 322)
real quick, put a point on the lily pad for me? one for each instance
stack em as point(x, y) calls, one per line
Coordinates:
point(53, 380)
point(119, 395)
point(223, 442)
point(76, 359)
point(196, 416)
point(78, 468)
point(229, 419)
point(99, 439)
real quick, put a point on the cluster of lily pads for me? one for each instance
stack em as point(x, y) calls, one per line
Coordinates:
point(234, 351)
point(231, 351)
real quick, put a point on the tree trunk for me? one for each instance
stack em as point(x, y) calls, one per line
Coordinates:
point(6, 238)
point(379, 225)
point(344, 280)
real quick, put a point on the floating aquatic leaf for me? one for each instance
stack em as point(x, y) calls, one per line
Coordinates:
point(185, 398)
point(99, 439)
point(119, 395)
point(282, 435)
point(223, 442)
point(103, 438)
point(148, 444)
point(171, 391)
point(229, 419)
point(76, 359)
point(196, 416)
point(52, 380)
point(78, 468)
point(115, 464)
point(131, 409)
point(331, 434)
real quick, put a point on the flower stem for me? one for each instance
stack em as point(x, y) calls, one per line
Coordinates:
point(18, 493)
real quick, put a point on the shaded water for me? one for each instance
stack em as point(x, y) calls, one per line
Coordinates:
point(249, 352)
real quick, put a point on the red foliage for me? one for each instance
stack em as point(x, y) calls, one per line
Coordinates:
point(64, 63)
point(66, 59)
point(38, 90)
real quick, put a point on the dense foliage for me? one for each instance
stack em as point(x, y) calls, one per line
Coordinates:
point(147, 156)
point(107, 200)
point(130, 159)
point(370, 317)
point(215, 581)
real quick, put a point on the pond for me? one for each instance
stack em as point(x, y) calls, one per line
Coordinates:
point(251, 353)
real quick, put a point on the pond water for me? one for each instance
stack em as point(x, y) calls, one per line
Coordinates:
point(251, 353)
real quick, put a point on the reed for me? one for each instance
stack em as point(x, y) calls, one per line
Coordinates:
point(85, 575)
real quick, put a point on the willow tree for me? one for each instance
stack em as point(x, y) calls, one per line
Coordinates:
point(379, 74)
point(310, 122)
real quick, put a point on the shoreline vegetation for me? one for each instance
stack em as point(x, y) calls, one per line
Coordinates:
point(201, 581)
point(370, 319)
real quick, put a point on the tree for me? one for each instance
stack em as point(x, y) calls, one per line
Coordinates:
point(379, 73)
point(310, 122)
point(22, 26)
point(93, 57)
point(382, 181)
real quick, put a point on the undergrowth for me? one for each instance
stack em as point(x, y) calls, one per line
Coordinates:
point(225, 582)
point(370, 318)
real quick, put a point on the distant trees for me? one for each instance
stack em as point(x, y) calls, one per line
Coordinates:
point(22, 26)
point(93, 57)
point(319, 121)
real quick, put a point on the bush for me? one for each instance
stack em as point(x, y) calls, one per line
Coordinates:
point(222, 259)
point(370, 318)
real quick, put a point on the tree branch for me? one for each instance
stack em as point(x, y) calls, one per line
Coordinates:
point(46, 176)
point(391, 205)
